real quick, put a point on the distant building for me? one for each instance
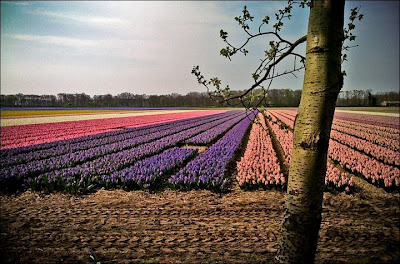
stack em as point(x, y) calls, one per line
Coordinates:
point(390, 103)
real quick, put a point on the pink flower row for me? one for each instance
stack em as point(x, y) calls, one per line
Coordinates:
point(386, 153)
point(284, 137)
point(338, 178)
point(383, 154)
point(373, 170)
point(386, 132)
point(373, 135)
point(334, 177)
point(285, 118)
point(259, 164)
point(24, 135)
point(384, 121)
point(370, 168)
point(389, 129)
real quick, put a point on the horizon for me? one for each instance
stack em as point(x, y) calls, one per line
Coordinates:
point(150, 47)
point(185, 94)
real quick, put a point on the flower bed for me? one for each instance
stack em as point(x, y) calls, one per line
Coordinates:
point(24, 135)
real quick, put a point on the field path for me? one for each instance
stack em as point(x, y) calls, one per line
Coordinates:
point(189, 227)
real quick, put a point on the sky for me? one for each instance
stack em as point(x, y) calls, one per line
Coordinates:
point(51, 47)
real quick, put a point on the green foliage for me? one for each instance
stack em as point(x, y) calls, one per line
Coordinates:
point(266, 20)
point(305, 3)
point(255, 76)
point(227, 52)
point(348, 32)
point(223, 34)
point(242, 20)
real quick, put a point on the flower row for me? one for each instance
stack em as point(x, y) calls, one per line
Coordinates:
point(383, 154)
point(70, 159)
point(116, 140)
point(334, 178)
point(383, 123)
point(373, 135)
point(283, 136)
point(126, 168)
point(145, 173)
point(380, 153)
point(208, 169)
point(374, 171)
point(106, 159)
point(384, 132)
point(210, 135)
point(24, 135)
point(391, 131)
point(7, 153)
point(355, 161)
point(376, 120)
point(259, 165)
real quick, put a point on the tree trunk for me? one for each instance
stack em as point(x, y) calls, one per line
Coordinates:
point(322, 83)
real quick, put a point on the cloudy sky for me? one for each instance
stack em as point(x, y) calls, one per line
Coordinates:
point(151, 47)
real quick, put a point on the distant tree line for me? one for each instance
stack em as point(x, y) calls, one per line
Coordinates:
point(365, 98)
point(275, 98)
point(192, 99)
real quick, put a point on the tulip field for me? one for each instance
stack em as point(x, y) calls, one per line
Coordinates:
point(144, 152)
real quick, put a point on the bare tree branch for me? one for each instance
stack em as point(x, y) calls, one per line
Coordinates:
point(265, 77)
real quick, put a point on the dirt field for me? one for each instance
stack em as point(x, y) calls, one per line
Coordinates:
point(190, 227)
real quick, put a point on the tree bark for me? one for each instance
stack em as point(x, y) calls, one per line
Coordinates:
point(322, 83)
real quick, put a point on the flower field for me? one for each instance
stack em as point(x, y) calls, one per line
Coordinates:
point(364, 146)
point(259, 165)
point(135, 155)
point(149, 151)
point(29, 134)
point(166, 187)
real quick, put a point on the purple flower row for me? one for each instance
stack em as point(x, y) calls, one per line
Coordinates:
point(208, 136)
point(145, 173)
point(208, 169)
point(46, 150)
point(70, 159)
point(82, 166)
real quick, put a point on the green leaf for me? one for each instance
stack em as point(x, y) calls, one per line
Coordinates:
point(223, 34)
point(255, 76)
point(224, 52)
point(272, 43)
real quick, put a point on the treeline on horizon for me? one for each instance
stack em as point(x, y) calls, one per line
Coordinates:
point(275, 98)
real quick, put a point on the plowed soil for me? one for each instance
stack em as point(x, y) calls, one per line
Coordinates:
point(190, 227)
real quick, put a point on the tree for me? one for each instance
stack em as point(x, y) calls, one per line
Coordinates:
point(322, 83)
point(323, 80)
